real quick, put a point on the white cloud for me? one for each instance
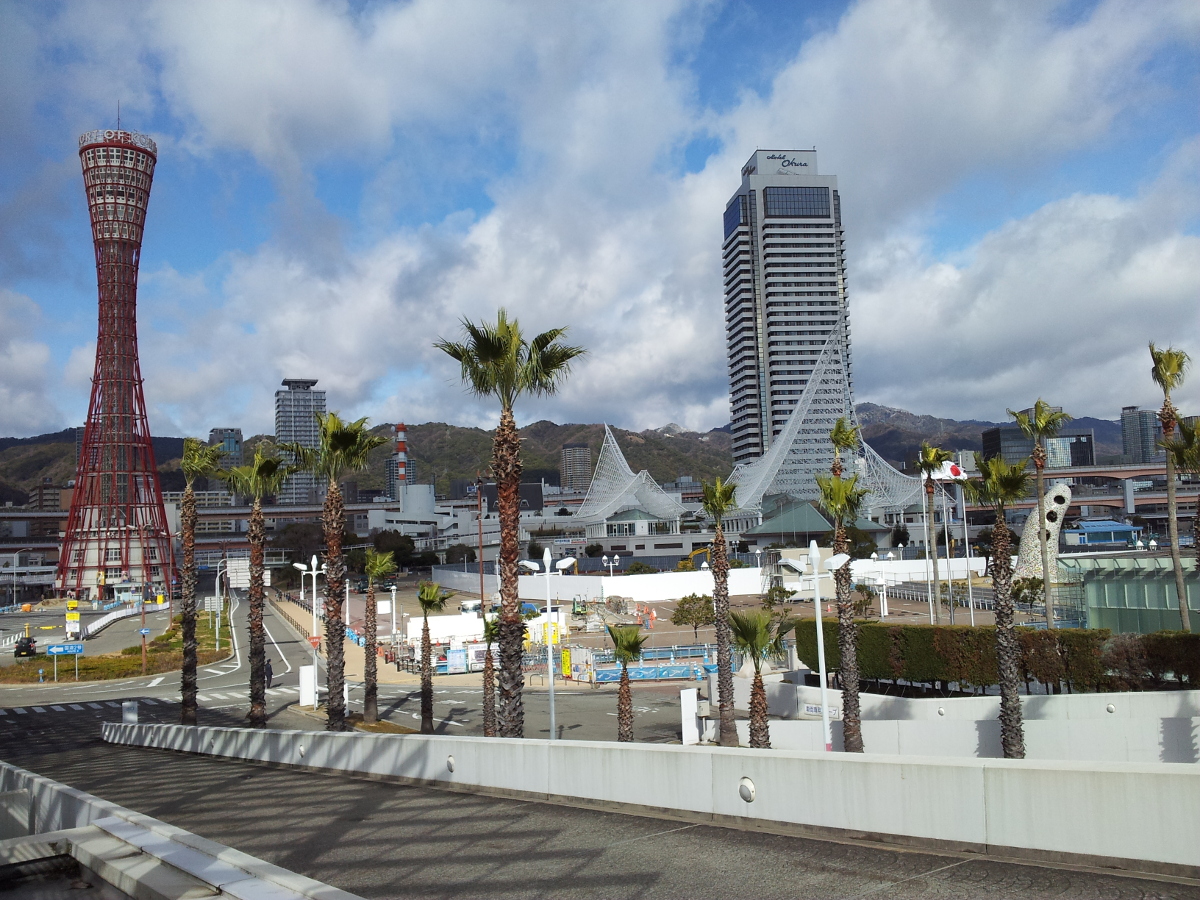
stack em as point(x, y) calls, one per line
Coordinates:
point(25, 404)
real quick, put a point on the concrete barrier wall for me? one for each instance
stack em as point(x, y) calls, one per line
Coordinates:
point(1137, 816)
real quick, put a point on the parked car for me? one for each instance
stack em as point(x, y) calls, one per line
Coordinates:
point(26, 646)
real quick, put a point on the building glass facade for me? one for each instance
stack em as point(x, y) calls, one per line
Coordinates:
point(296, 410)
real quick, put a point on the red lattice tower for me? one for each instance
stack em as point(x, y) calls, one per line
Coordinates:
point(117, 528)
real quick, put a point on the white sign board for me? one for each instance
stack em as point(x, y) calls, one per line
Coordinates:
point(212, 604)
point(239, 573)
point(308, 686)
point(384, 607)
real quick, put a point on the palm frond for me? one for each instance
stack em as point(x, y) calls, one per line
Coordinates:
point(432, 598)
point(379, 565)
point(931, 459)
point(627, 642)
point(261, 477)
point(720, 498)
point(1168, 368)
point(844, 436)
point(842, 498)
point(1000, 484)
point(200, 460)
point(1184, 447)
point(1042, 422)
point(342, 447)
point(758, 633)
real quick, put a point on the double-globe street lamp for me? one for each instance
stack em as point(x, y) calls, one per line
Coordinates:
point(832, 564)
point(314, 570)
point(610, 562)
point(548, 568)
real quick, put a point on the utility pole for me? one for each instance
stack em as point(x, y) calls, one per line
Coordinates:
point(479, 501)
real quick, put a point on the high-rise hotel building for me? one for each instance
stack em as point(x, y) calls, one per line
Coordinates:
point(785, 289)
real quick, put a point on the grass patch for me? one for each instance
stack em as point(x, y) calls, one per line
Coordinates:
point(163, 654)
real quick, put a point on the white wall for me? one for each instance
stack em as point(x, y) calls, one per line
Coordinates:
point(1087, 812)
point(657, 588)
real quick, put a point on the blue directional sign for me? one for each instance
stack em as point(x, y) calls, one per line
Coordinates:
point(143, 631)
point(65, 649)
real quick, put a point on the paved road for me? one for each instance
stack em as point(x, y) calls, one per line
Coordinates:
point(383, 840)
point(588, 715)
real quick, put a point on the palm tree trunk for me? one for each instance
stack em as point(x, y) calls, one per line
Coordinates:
point(489, 694)
point(1173, 536)
point(334, 523)
point(720, 569)
point(506, 466)
point(1044, 544)
point(371, 658)
point(187, 607)
point(852, 741)
point(624, 707)
point(1008, 652)
point(426, 680)
point(931, 551)
point(257, 534)
point(760, 734)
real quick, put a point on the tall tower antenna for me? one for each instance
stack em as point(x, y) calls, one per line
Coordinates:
point(117, 527)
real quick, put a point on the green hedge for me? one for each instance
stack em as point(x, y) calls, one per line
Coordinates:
point(1075, 658)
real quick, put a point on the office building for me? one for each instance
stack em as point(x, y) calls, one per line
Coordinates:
point(230, 442)
point(785, 298)
point(1141, 432)
point(575, 467)
point(1071, 447)
point(296, 410)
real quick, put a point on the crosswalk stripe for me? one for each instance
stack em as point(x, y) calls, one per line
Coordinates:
point(95, 706)
point(149, 702)
point(58, 709)
point(39, 709)
point(3, 712)
point(20, 711)
point(219, 696)
point(202, 697)
point(75, 706)
point(273, 693)
point(112, 703)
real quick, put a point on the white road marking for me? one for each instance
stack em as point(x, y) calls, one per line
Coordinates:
point(74, 706)
point(3, 712)
point(273, 693)
point(215, 671)
point(156, 682)
point(148, 701)
point(202, 697)
point(58, 708)
point(20, 712)
point(111, 703)
point(39, 709)
point(277, 650)
point(95, 706)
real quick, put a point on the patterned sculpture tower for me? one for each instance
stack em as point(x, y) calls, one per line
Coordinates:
point(117, 528)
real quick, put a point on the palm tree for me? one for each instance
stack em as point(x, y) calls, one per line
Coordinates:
point(1185, 448)
point(930, 460)
point(497, 361)
point(378, 565)
point(718, 502)
point(1170, 366)
point(1001, 484)
point(844, 437)
point(627, 647)
point(343, 447)
point(757, 633)
point(199, 461)
point(491, 632)
point(842, 499)
point(432, 599)
point(1039, 425)
point(261, 478)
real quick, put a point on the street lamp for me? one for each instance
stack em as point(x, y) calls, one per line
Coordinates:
point(1153, 544)
point(393, 641)
point(834, 562)
point(548, 568)
point(610, 563)
point(758, 558)
point(15, 562)
point(314, 571)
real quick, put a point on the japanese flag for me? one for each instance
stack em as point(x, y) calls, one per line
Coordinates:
point(950, 471)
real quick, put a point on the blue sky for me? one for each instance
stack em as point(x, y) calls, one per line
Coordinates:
point(338, 184)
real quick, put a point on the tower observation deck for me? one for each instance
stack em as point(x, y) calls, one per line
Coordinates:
point(117, 527)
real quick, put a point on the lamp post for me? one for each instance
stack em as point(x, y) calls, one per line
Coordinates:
point(314, 570)
point(799, 568)
point(548, 568)
point(610, 563)
point(393, 641)
point(16, 562)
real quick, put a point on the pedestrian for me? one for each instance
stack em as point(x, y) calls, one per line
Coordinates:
point(270, 674)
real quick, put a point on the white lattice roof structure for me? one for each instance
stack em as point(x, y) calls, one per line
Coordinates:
point(802, 450)
point(615, 488)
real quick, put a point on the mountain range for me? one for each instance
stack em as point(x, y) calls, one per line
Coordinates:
point(442, 452)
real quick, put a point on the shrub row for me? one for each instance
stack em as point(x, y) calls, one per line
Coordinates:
point(1079, 659)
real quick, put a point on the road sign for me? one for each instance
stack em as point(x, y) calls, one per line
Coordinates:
point(72, 617)
point(143, 631)
point(315, 641)
point(239, 573)
point(212, 604)
point(64, 649)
